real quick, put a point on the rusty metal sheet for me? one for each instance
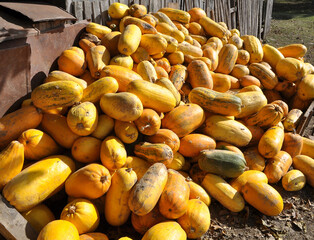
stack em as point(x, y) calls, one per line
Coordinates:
point(38, 12)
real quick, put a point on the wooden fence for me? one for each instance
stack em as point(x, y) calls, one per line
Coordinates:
point(249, 16)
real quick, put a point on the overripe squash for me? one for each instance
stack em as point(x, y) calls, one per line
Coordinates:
point(112, 153)
point(277, 166)
point(57, 229)
point(83, 214)
point(37, 144)
point(91, 181)
point(14, 123)
point(196, 220)
point(173, 202)
point(38, 182)
point(146, 192)
point(263, 197)
point(82, 119)
point(178, 75)
point(117, 210)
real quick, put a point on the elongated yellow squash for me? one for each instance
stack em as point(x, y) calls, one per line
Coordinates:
point(38, 182)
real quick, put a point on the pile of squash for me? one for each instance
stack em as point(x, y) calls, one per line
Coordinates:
point(151, 116)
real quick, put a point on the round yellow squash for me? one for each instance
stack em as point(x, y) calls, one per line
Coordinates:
point(57, 230)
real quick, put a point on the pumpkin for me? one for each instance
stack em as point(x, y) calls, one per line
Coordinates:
point(14, 123)
point(28, 188)
point(123, 106)
point(294, 180)
point(219, 189)
point(193, 143)
point(11, 162)
point(57, 229)
point(221, 162)
point(91, 181)
point(39, 216)
point(83, 214)
point(263, 197)
point(196, 220)
point(173, 201)
point(169, 229)
point(117, 210)
point(112, 153)
point(38, 144)
point(146, 192)
point(165, 136)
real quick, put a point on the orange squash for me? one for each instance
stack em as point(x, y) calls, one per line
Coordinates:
point(196, 220)
point(198, 192)
point(138, 165)
point(263, 197)
point(306, 88)
point(248, 80)
point(83, 214)
point(170, 229)
point(271, 142)
point(292, 144)
point(290, 69)
point(248, 176)
point(126, 131)
point(37, 144)
point(243, 57)
point(227, 58)
point(254, 159)
point(94, 236)
point(294, 180)
point(253, 45)
point(104, 127)
point(197, 174)
point(154, 152)
point(284, 106)
point(239, 71)
point(56, 126)
point(72, 61)
point(178, 75)
point(192, 144)
point(173, 201)
point(86, 149)
point(97, 58)
point(91, 181)
point(63, 76)
point(306, 165)
point(149, 122)
point(146, 192)
point(199, 75)
point(14, 123)
point(184, 119)
point(257, 133)
point(165, 136)
point(278, 166)
point(266, 76)
point(110, 41)
point(142, 223)
point(57, 229)
point(117, 210)
point(293, 50)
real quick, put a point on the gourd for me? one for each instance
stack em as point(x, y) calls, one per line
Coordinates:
point(57, 229)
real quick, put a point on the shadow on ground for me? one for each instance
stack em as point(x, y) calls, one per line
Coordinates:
point(283, 10)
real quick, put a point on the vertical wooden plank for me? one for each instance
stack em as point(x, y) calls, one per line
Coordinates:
point(78, 10)
point(96, 11)
point(261, 21)
point(268, 13)
point(104, 5)
point(87, 10)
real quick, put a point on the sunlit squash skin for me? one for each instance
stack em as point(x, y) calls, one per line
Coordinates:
point(138, 165)
point(126, 131)
point(227, 58)
point(173, 201)
point(146, 192)
point(57, 229)
point(28, 188)
point(169, 229)
point(117, 210)
point(292, 119)
point(254, 160)
point(292, 144)
point(63, 76)
point(104, 127)
point(308, 147)
point(306, 165)
point(166, 136)
point(294, 180)
point(306, 87)
point(263, 197)
point(165, 82)
point(253, 45)
point(223, 192)
point(290, 69)
point(130, 39)
point(198, 192)
point(271, 55)
point(94, 236)
point(149, 122)
point(11, 162)
point(294, 50)
point(248, 176)
point(196, 220)
point(13, 124)
point(83, 214)
point(252, 102)
point(97, 29)
point(72, 61)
